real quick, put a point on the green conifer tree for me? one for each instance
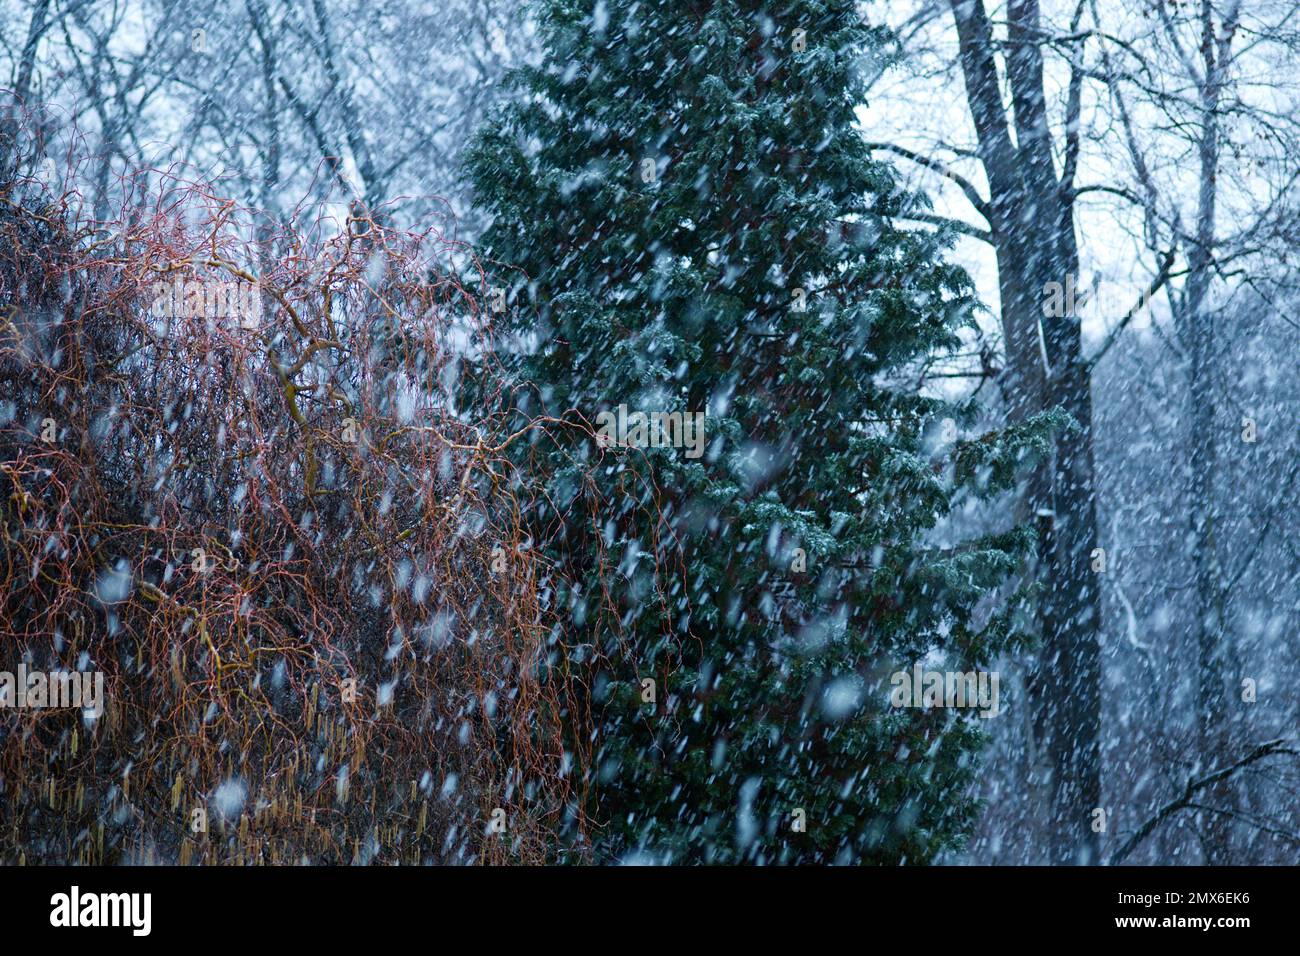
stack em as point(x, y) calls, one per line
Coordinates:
point(697, 226)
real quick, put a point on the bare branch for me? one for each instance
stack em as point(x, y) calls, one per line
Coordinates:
point(967, 187)
point(1268, 749)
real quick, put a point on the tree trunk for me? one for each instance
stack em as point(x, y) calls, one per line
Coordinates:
point(1198, 329)
point(1031, 215)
